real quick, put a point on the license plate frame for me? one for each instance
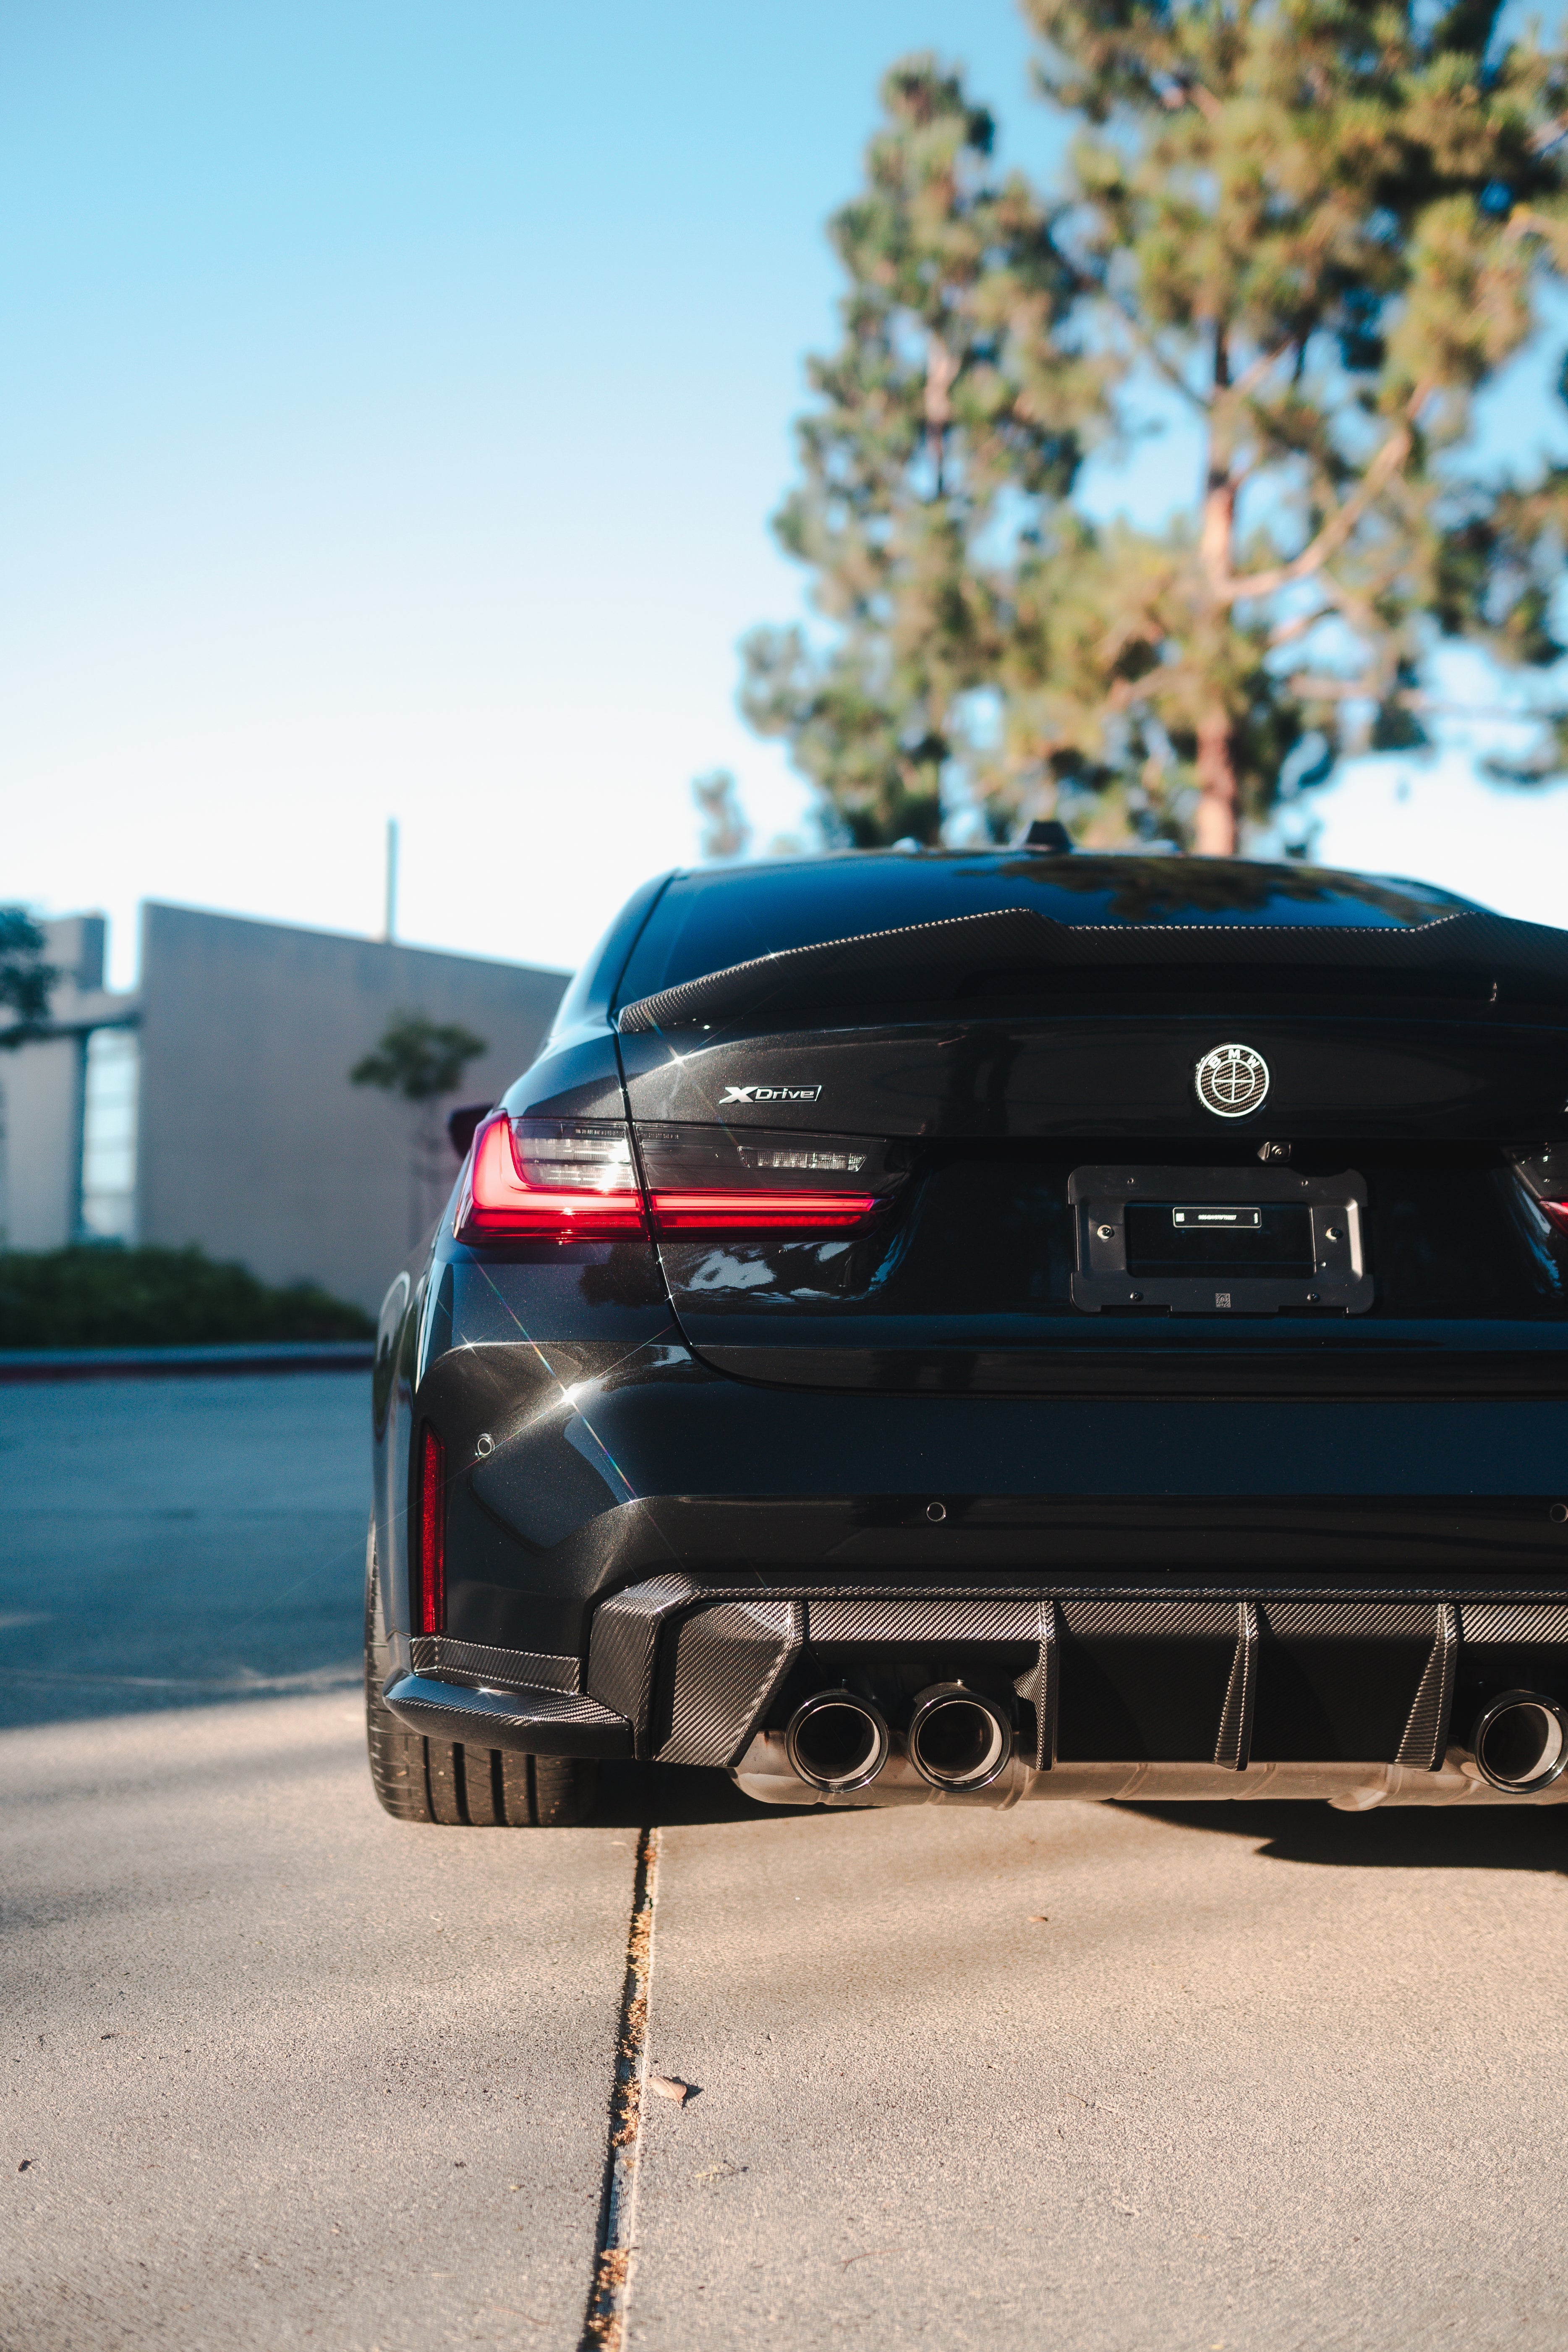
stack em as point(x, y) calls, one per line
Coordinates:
point(1340, 1279)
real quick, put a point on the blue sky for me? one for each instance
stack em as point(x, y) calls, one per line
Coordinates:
point(394, 400)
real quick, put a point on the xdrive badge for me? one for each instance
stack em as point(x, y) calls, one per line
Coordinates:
point(768, 1095)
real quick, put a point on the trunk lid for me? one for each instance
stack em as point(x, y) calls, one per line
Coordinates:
point(1403, 1055)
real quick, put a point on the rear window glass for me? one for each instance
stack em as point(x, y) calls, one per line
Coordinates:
point(705, 922)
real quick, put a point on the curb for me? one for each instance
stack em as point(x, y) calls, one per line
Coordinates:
point(153, 1363)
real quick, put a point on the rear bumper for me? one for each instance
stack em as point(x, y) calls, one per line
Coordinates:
point(565, 1489)
point(1359, 1699)
point(648, 1558)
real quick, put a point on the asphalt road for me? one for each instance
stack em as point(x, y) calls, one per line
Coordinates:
point(166, 1542)
point(284, 2073)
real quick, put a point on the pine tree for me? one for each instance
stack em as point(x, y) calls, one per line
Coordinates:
point(1324, 227)
point(948, 414)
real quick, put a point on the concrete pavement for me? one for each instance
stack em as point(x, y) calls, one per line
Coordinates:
point(282, 2072)
point(1264, 2077)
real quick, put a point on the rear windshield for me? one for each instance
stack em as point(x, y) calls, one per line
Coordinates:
point(705, 922)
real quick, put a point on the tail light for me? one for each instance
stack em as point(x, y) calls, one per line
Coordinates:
point(432, 1600)
point(550, 1180)
point(1558, 1213)
point(759, 1212)
point(579, 1179)
point(723, 1180)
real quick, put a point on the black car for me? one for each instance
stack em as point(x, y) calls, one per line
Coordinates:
point(978, 1324)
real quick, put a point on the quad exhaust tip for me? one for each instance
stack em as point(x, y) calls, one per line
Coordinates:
point(1520, 1742)
point(837, 1741)
point(958, 1738)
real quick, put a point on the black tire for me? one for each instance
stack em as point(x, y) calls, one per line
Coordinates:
point(443, 1781)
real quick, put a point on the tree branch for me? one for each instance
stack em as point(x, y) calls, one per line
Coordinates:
point(1351, 606)
point(1342, 523)
point(1158, 680)
point(1524, 222)
point(1151, 350)
point(1191, 93)
point(1309, 687)
point(1248, 381)
point(1287, 632)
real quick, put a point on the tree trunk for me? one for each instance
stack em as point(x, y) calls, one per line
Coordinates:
point(941, 369)
point(1214, 834)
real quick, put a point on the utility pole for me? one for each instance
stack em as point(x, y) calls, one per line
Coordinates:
point(389, 930)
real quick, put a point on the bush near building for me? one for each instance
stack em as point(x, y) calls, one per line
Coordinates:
point(93, 1297)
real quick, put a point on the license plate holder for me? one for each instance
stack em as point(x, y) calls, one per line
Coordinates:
point(1219, 1241)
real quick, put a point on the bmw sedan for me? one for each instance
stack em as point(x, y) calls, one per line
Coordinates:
point(964, 1326)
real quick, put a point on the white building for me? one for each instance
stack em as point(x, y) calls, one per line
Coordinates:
point(213, 1104)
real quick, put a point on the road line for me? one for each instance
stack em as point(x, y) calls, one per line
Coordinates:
point(604, 2328)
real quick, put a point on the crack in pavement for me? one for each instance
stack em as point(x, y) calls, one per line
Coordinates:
point(604, 2322)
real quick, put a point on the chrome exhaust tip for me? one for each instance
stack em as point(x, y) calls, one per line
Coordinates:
point(958, 1738)
point(1520, 1742)
point(837, 1741)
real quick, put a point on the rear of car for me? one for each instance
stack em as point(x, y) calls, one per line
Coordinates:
point(964, 1326)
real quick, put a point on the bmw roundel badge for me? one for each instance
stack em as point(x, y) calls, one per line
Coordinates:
point(1232, 1081)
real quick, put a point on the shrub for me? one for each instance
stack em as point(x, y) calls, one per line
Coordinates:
point(96, 1296)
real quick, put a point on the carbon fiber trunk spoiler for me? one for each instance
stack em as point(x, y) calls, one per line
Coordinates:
point(924, 962)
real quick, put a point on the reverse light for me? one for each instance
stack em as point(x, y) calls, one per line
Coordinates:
point(431, 1607)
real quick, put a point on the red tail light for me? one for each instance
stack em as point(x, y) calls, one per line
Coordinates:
point(575, 1179)
point(1558, 1213)
point(432, 1604)
point(719, 1180)
point(759, 1212)
point(550, 1180)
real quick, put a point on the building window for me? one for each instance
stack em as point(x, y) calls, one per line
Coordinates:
point(108, 1137)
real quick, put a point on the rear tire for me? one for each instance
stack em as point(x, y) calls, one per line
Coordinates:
point(448, 1782)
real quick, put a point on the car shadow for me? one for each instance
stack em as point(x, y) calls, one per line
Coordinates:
point(633, 1796)
point(1406, 1837)
point(1402, 1837)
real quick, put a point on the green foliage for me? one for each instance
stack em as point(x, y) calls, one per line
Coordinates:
point(1322, 227)
point(25, 979)
point(418, 1059)
point(726, 830)
point(98, 1296)
point(949, 412)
